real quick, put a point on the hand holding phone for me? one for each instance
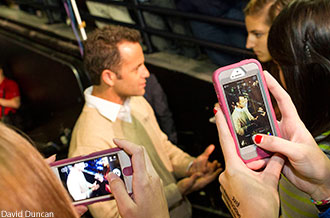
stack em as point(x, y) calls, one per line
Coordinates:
point(149, 197)
point(244, 99)
point(85, 177)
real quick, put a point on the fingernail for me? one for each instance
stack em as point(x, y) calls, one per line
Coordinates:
point(215, 111)
point(257, 139)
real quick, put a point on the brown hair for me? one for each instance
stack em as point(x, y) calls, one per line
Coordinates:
point(276, 8)
point(101, 51)
point(299, 42)
point(271, 7)
point(258, 7)
point(27, 183)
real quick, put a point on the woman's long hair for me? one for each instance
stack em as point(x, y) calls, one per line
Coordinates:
point(27, 183)
point(299, 41)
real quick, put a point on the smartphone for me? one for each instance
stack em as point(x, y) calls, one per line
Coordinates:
point(244, 99)
point(84, 177)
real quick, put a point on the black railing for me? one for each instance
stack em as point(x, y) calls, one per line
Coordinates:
point(138, 9)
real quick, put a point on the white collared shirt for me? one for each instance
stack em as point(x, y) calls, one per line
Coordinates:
point(108, 109)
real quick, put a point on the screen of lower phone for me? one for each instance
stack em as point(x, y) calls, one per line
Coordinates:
point(247, 109)
point(87, 179)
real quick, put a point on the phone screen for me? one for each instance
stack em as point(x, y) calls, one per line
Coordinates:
point(87, 179)
point(247, 108)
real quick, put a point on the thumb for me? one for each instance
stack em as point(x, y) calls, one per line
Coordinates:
point(208, 151)
point(51, 159)
point(277, 145)
point(118, 189)
point(81, 209)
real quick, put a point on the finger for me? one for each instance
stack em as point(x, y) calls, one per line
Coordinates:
point(285, 104)
point(258, 164)
point(228, 146)
point(215, 173)
point(127, 146)
point(51, 159)
point(206, 179)
point(118, 189)
point(278, 145)
point(138, 157)
point(81, 209)
point(212, 166)
point(195, 176)
point(274, 168)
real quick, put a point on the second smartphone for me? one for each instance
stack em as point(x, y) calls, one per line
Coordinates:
point(84, 177)
point(244, 99)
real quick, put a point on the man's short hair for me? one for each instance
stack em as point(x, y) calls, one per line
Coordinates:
point(101, 50)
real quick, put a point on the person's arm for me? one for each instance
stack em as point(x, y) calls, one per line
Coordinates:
point(12, 93)
point(237, 124)
point(12, 103)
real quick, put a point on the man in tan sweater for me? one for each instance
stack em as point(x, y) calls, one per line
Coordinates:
point(115, 108)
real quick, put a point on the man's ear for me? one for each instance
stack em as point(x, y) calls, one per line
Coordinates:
point(108, 77)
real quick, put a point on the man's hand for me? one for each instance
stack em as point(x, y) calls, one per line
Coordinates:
point(196, 181)
point(202, 165)
point(95, 186)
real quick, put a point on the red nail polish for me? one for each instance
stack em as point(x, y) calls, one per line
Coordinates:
point(257, 139)
point(215, 111)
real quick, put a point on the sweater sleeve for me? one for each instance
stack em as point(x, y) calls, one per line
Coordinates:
point(172, 194)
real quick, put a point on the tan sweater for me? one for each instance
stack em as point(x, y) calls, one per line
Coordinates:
point(94, 132)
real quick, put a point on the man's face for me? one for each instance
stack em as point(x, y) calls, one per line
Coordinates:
point(257, 36)
point(131, 80)
point(241, 101)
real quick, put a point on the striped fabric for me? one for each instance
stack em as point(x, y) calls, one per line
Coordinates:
point(295, 203)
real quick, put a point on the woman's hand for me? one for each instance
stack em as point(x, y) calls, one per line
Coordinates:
point(308, 168)
point(148, 193)
point(247, 193)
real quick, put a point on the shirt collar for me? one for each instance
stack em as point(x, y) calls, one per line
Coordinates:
point(108, 109)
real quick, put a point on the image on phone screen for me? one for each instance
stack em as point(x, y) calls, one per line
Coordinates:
point(247, 108)
point(87, 179)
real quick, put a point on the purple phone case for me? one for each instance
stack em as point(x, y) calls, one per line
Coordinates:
point(218, 88)
point(107, 151)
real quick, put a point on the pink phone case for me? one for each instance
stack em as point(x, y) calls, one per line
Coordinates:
point(218, 88)
point(68, 160)
point(127, 171)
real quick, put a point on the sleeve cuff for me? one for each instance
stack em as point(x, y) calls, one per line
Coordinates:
point(172, 194)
